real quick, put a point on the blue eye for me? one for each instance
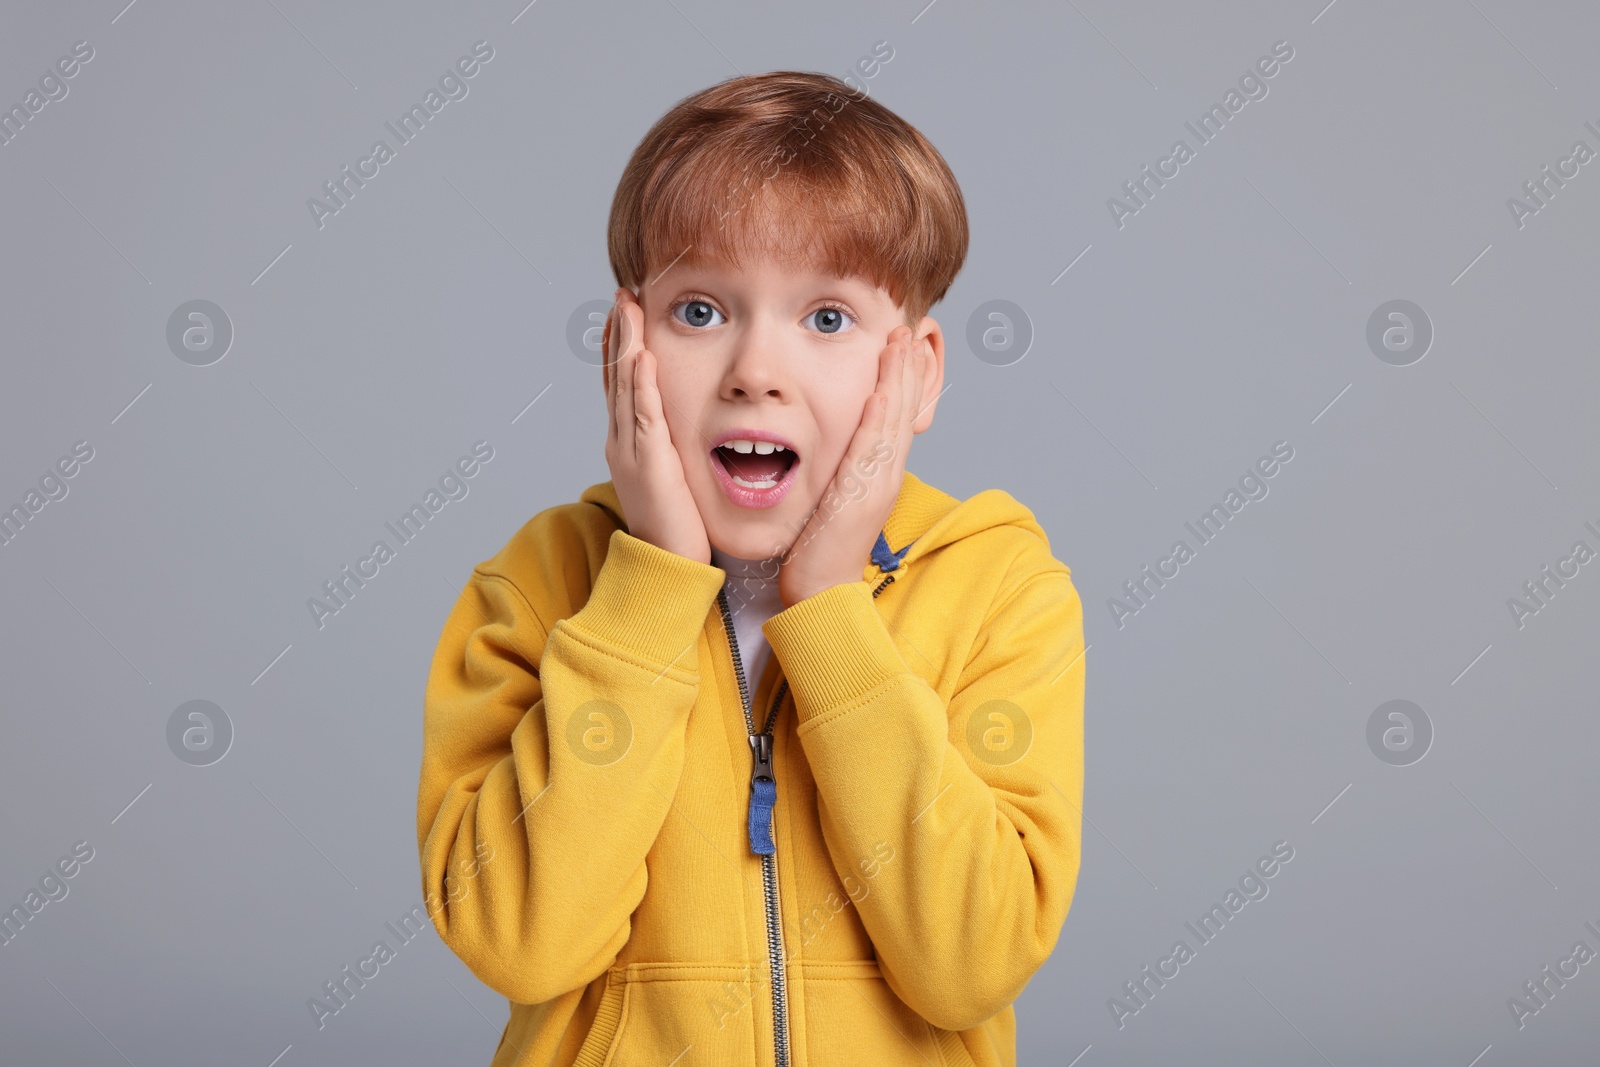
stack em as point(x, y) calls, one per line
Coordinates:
point(831, 319)
point(699, 313)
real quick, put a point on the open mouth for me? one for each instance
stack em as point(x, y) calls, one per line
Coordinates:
point(755, 465)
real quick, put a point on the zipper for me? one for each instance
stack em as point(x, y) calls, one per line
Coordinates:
point(763, 796)
point(882, 586)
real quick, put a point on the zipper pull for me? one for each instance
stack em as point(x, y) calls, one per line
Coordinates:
point(763, 795)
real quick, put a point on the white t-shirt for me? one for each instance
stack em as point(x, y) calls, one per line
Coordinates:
point(753, 599)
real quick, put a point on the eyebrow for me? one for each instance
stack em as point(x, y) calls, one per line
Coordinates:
point(849, 286)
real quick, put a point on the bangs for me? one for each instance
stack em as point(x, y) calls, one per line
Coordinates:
point(827, 227)
point(795, 167)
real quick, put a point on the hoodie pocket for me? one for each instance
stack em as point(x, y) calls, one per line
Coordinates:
point(852, 1016)
point(660, 1011)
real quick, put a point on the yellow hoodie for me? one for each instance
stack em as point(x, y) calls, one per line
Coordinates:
point(592, 815)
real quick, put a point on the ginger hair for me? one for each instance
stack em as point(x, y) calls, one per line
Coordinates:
point(799, 166)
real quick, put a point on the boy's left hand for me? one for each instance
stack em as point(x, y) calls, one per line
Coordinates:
point(839, 538)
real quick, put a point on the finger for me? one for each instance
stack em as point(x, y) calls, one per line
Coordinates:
point(876, 429)
point(608, 369)
point(919, 380)
point(913, 384)
point(900, 393)
point(890, 377)
point(863, 449)
point(630, 321)
point(660, 433)
point(620, 333)
point(647, 399)
point(891, 389)
point(886, 358)
point(632, 328)
point(626, 370)
point(880, 419)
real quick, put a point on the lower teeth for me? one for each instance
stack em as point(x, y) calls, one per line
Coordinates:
point(764, 484)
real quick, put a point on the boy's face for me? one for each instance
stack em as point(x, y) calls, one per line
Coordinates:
point(779, 349)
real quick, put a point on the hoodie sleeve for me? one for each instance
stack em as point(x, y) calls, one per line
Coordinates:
point(965, 814)
point(549, 760)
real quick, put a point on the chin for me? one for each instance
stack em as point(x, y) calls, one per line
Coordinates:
point(754, 538)
point(748, 533)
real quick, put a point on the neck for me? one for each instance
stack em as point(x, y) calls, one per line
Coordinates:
point(758, 570)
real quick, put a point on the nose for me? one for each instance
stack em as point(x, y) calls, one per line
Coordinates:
point(756, 365)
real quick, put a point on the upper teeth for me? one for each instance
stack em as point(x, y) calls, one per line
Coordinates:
point(761, 448)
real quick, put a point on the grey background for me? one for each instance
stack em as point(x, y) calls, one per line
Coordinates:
point(1227, 315)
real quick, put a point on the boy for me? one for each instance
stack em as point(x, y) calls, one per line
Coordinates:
point(765, 751)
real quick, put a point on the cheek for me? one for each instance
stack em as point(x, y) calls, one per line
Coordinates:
point(682, 402)
point(848, 403)
point(838, 416)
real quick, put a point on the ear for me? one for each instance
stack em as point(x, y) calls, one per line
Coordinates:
point(928, 331)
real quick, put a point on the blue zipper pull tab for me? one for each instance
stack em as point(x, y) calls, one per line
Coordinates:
point(763, 795)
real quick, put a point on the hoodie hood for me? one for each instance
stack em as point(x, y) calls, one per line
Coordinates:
point(922, 520)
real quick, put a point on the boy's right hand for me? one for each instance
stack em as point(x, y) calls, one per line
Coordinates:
point(645, 468)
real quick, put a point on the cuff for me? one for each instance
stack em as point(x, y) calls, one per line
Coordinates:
point(650, 601)
point(834, 648)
